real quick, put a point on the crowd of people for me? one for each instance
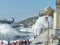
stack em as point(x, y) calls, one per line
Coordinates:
point(20, 42)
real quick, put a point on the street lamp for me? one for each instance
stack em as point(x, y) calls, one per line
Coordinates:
point(48, 30)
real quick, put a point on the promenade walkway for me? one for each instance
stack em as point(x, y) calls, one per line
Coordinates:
point(44, 37)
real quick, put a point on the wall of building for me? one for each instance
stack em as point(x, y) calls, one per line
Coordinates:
point(57, 19)
point(58, 16)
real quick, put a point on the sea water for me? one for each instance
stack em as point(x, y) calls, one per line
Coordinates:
point(8, 33)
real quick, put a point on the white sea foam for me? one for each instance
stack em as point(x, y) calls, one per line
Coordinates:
point(42, 23)
point(7, 32)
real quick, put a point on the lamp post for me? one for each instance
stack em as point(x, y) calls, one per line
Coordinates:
point(48, 30)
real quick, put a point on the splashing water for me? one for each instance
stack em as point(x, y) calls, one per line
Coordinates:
point(42, 23)
point(6, 32)
point(4, 28)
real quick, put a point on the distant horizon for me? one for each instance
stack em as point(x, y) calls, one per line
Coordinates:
point(23, 9)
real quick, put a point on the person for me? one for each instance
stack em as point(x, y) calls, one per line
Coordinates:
point(21, 42)
point(14, 43)
point(41, 30)
point(28, 42)
point(8, 42)
point(2, 43)
point(17, 43)
point(25, 42)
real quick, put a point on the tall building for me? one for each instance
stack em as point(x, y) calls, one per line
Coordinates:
point(57, 19)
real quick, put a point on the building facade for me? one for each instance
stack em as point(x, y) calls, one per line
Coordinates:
point(57, 19)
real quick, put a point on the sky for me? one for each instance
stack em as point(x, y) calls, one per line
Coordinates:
point(23, 9)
